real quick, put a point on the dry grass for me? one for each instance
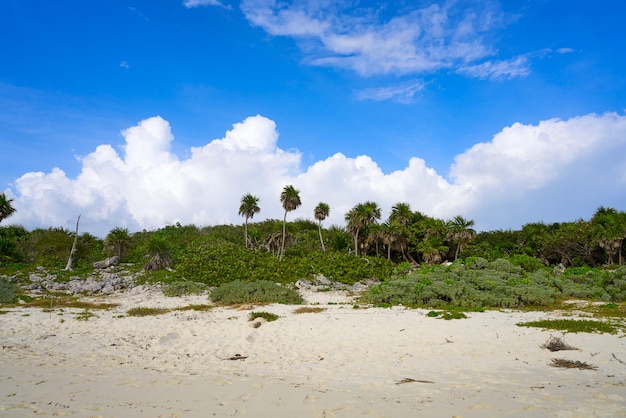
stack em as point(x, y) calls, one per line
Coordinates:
point(557, 344)
point(308, 309)
point(571, 364)
point(146, 311)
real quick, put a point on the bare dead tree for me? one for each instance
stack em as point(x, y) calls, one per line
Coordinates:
point(68, 266)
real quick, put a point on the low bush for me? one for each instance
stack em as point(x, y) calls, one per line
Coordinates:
point(499, 285)
point(238, 292)
point(269, 317)
point(182, 288)
point(8, 292)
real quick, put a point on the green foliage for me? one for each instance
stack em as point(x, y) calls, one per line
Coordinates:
point(526, 262)
point(226, 262)
point(504, 265)
point(269, 317)
point(476, 263)
point(446, 315)
point(8, 292)
point(182, 288)
point(500, 285)
point(573, 325)
point(238, 292)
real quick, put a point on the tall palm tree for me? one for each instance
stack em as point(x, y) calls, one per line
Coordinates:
point(321, 212)
point(6, 209)
point(290, 199)
point(460, 231)
point(399, 219)
point(359, 217)
point(249, 206)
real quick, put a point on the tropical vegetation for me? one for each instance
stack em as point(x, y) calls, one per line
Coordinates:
point(417, 260)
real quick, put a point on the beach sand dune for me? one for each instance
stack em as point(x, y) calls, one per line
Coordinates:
point(340, 362)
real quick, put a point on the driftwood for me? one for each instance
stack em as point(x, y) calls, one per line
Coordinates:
point(237, 357)
point(410, 380)
point(571, 364)
point(557, 344)
point(68, 266)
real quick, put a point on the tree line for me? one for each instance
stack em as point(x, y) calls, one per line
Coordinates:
point(405, 236)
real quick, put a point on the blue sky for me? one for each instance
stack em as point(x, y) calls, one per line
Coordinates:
point(504, 112)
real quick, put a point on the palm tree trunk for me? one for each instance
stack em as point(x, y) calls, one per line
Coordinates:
point(319, 228)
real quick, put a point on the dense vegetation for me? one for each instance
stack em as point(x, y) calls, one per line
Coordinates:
point(406, 253)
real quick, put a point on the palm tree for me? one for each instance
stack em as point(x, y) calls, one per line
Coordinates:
point(6, 209)
point(401, 214)
point(460, 231)
point(118, 241)
point(399, 220)
point(249, 206)
point(290, 199)
point(321, 212)
point(610, 231)
point(359, 217)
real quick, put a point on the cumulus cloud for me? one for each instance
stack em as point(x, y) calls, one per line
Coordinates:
point(420, 41)
point(556, 170)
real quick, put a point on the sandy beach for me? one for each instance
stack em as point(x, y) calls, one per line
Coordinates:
point(340, 362)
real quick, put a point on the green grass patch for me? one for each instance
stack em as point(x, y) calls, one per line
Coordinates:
point(84, 315)
point(66, 301)
point(573, 325)
point(196, 307)
point(269, 317)
point(447, 315)
point(139, 311)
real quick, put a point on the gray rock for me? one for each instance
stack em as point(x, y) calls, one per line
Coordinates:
point(106, 263)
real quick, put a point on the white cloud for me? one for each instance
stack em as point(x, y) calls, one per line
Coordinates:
point(420, 41)
point(498, 70)
point(556, 170)
point(197, 3)
point(403, 93)
point(125, 65)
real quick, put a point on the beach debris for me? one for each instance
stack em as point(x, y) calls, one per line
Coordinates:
point(615, 357)
point(557, 344)
point(410, 380)
point(237, 357)
point(571, 364)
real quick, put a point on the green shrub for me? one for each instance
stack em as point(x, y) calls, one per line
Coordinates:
point(269, 317)
point(476, 263)
point(8, 292)
point(182, 288)
point(238, 292)
point(502, 264)
point(526, 262)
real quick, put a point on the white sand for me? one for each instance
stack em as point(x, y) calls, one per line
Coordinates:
point(342, 362)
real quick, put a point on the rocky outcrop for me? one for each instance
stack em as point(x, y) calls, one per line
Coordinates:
point(106, 263)
point(99, 282)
